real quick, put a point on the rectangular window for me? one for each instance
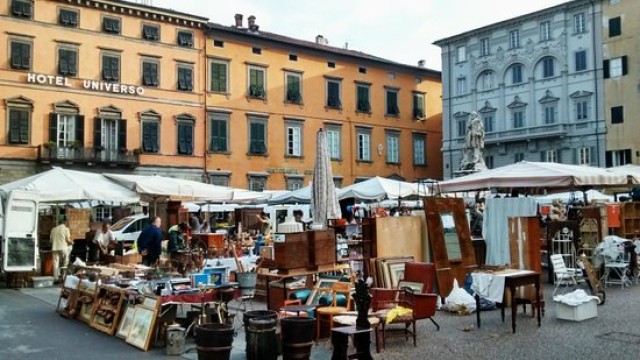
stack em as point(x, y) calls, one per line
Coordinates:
point(462, 128)
point(337, 182)
point(219, 76)
point(581, 60)
point(20, 55)
point(334, 96)
point(548, 68)
point(615, 26)
point(362, 70)
point(220, 44)
point(294, 140)
point(487, 121)
point(578, 23)
point(111, 25)
point(333, 140)
point(545, 30)
point(393, 148)
point(617, 114)
point(461, 54)
point(331, 64)
point(21, 9)
point(618, 157)
point(257, 183)
point(484, 47)
point(584, 156)
point(419, 149)
point(18, 127)
point(550, 114)
point(363, 103)
point(461, 85)
point(514, 39)
point(150, 73)
point(67, 62)
point(256, 51)
point(418, 106)
point(294, 183)
point(615, 67)
point(220, 180)
point(582, 112)
point(364, 145)
point(150, 136)
point(551, 156)
point(185, 137)
point(185, 78)
point(110, 68)
point(518, 119)
point(391, 107)
point(488, 161)
point(64, 131)
point(257, 137)
point(294, 87)
point(518, 157)
point(516, 74)
point(151, 32)
point(219, 132)
point(68, 18)
point(185, 39)
point(293, 57)
point(257, 87)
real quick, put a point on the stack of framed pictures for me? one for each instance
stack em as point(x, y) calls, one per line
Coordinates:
point(68, 305)
point(138, 323)
point(387, 272)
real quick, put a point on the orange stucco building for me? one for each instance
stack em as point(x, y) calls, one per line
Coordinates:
point(114, 86)
point(268, 95)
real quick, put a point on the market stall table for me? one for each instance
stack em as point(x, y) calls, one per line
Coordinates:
point(498, 282)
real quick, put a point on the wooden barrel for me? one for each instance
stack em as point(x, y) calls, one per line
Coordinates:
point(214, 341)
point(262, 339)
point(256, 314)
point(297, 337)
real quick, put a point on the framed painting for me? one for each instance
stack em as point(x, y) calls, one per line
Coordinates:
point(415, 287)
point(396, 272)
point(125, 324)
point(85, 312)
point(142, 328)
point(150, 302)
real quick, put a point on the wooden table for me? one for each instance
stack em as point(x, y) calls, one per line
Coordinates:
point(512, 282)
point(361, 341)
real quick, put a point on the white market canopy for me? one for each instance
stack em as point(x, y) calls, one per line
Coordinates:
point(378, 188)
point(526, 174)
point(61, 185)
point(630, 170)
point(172, 188)
point(592, 195)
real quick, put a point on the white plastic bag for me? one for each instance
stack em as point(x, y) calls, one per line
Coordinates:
point(459, 300)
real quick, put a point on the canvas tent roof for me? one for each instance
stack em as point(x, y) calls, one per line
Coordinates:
point(62, 185)
point(630, 170)
point(378, 188)
point(173, 188)
point(535, 174)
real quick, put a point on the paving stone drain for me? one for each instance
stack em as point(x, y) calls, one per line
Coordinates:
point(624, 337)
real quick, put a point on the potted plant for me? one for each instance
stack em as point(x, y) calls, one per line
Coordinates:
point(74, 145)
point(137, 151)
point(50, 145)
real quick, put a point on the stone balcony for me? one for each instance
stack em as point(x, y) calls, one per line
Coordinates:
point(88, 156)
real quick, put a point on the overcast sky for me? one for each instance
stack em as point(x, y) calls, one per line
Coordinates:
point(399, 30)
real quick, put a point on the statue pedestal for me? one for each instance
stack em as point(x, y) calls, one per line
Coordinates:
point(459, 173)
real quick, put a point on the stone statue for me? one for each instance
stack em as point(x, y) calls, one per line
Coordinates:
point(363, 301)
point(472, 153)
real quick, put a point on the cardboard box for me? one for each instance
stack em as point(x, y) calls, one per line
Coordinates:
point(129, 259)
point(577, 313)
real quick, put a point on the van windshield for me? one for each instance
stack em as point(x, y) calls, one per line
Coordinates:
point(122, 223)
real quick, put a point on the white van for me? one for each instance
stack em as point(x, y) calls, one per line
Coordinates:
point(19, 231)
point(129, 228)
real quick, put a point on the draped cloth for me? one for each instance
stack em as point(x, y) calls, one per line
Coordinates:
point(495, 226)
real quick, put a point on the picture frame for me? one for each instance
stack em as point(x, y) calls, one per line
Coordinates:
point(323, 287)
point(150, 302)
point(396, 272)
point(125, 324)
point(85, 312)
point(416, 287)
point(142, 328)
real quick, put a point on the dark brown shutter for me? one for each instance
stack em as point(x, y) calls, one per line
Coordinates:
point(97, 132)
point(80, 129)
point(53, 127)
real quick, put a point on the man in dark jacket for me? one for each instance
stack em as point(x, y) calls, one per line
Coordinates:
point(176, 238)
point(149, 242)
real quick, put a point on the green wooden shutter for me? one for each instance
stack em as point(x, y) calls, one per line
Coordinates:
point(189, 139)
point(146, 136)
point(24, 126)
point(219, 77)
point(72, 62)
point(389, 102)
point(257, 138)
point(53, 127)
point(122, 134)
point(80, 130)
point(155, 141)
point(97, 132)
point(115, 68)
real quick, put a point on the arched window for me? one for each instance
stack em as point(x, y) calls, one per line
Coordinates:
point(547, 67)
point(515, 74)
point(486, 80)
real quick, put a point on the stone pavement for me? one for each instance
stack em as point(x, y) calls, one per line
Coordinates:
point(30, 329)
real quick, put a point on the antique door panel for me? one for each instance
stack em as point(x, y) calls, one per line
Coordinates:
point(450, 240)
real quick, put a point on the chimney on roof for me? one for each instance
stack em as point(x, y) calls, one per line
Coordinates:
point(238, 18)
point(422, 62)
point(322, 40)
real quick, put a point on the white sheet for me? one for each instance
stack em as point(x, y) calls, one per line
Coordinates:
point(495, 227)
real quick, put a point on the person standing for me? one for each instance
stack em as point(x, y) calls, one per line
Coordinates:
point(104, 240)
point(264, 223)
point(149, 242)
point(61, 243)
point(176, 238)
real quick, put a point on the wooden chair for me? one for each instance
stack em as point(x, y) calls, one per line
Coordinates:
point(328, 312)
point(283, 314)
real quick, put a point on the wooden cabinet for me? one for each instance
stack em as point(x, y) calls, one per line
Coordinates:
point(630, 224)
point(304, 250)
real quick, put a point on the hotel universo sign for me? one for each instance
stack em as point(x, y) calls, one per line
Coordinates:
point(92, 85)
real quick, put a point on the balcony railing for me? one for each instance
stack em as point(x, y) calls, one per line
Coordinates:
point(89, 156)
point(554, 130)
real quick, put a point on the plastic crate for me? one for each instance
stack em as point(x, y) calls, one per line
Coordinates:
point(42, 281)
point(577, 313)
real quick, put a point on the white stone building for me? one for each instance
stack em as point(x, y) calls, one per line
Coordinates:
point(536, 81)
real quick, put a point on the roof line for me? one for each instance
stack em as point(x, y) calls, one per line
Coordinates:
point(156, 9)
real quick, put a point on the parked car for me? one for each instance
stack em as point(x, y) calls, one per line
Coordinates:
point(129, 228)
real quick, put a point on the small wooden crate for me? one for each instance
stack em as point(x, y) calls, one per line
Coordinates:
point(293, 253)
point(129, 259)
point(322, 247)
